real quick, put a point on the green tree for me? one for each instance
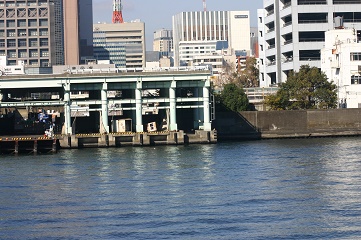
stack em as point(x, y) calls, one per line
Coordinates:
point(234, 98)
point(249, 76)
point(245, 77)
point(306, 89)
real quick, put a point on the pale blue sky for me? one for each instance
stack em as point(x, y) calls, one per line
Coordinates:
point(157, 14)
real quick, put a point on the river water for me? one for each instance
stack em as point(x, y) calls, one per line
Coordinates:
point(274, 189)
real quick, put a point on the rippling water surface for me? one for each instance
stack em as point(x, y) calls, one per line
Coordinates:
point(279, 189)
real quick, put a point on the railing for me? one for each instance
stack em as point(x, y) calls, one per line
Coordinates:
point(288, 59)
point(352, 20)
point(129, 70)
point(287, 5)
point(312, 21)
point(312, 2)
point(288, 42)
point(310, 58)
point(287, 24)
point(312, 40)
point(347, 2)
point(257, 95)
point(270, 12)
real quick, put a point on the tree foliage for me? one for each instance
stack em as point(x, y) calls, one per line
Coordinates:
point(306, 89)
point(234, 98)
point(246, 77)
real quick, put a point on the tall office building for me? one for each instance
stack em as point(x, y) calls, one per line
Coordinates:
point(163, 41)
point(294, 33)
point(201, 33)
point(78, 31)
point(30, 32)
point(123, 44)
point(43, 33)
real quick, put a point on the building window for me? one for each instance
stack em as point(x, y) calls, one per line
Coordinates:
point(355, 56)
point(355, 79)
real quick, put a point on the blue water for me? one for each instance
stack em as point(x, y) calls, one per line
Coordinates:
point(275, 189)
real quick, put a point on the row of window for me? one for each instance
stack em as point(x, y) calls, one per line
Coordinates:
point(355, 79)
point(25, 53)
point(23, 23)
point(43, 42)
point(355, 56)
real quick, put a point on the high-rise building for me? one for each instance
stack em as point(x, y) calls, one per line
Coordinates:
point(78, 31)
point(163, 41)
point(121, 43)
point(44, 33)
point(30, 32)
point(201, 33)
point(294, 33)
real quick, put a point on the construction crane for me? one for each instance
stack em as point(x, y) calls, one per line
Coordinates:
point(117, 11)
point(204, 6)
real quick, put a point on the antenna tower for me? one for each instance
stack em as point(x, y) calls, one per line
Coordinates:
point(117, 11)
point(204, 6)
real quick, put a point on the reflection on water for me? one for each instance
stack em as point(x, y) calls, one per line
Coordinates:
point(279, 189)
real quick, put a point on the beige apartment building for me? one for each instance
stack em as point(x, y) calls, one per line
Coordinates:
point(163, 40)
point(121, 43)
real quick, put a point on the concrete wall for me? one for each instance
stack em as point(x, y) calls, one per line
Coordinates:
point(288, 124)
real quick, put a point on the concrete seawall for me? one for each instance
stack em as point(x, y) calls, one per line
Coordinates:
point(288, 124)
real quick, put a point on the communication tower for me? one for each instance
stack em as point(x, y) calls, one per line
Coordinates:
point(117, 11)
point(204, 6)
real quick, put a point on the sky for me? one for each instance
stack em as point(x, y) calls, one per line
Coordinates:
point(157, 14)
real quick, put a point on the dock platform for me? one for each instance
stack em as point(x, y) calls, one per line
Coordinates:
point(40, 144)
point(27, 144)
point(136, 139)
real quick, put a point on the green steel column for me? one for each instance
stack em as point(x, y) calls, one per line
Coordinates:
point(105, 108)
point(206, 107)
point(138, 107)
point(67, 110)
point(172, 107)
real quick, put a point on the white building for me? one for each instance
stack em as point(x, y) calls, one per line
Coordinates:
point(6, 69)
point(201, 33)
point(294, 33)
point(261, 13)
point(341, 61)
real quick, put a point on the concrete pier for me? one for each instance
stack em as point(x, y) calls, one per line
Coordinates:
point(136, 139)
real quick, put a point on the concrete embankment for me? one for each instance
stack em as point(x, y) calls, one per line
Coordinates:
point(288, 124)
